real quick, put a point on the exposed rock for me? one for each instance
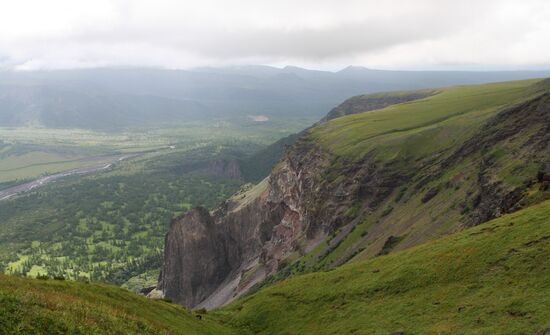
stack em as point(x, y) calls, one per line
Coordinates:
point(432, 192)
point(390, 243)
point(495, 199)
point(213, 258)
point(543, 174)
point(227, 168)
point(206, 253)
point(222, 167)
point(145, 291)
point(155, 294)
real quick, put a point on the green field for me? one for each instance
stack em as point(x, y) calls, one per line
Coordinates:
point(27, 153)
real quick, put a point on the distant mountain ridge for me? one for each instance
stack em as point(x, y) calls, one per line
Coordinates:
point(49, 106)
point(107, 98)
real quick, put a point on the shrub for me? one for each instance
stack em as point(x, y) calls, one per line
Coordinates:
point(387, 211)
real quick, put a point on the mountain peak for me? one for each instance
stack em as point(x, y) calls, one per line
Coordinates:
point(354, 69)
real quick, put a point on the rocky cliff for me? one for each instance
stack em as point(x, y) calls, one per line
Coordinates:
point(322, 207)
point(211, 258)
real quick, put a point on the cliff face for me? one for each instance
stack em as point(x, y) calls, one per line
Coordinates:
point(332, 208)
point(195, 250)
point(211, 258)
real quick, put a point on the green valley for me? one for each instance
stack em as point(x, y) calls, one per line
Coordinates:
point(275, 167)
point(361, 204)
point(110, 226)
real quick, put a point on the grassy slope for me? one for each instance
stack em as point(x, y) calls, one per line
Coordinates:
point(491, 279)
point(355, 135)
point(428, 130)
point(64, 307)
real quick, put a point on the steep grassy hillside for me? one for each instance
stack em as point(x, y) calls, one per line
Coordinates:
point(432, 166)
point(32, 306)
point(373, 101)
point(491, 279)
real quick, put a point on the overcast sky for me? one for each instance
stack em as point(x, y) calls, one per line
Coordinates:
point(326, 34)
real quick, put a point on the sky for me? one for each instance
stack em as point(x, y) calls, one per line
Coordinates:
point(321, 34)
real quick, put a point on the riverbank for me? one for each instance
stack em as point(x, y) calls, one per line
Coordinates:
point(13, 191)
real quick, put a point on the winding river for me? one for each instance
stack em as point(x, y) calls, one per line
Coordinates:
point(18, 189)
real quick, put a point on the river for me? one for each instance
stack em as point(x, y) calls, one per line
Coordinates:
point(18, 189)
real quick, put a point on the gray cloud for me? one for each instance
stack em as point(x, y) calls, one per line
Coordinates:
point(176, 34)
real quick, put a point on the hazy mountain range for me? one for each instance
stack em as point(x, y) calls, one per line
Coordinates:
point(111, 98)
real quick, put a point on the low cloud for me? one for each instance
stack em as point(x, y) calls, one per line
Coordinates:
point(179, 34)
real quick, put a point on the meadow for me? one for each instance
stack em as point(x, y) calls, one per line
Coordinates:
point(41, 306)
point(26, 153)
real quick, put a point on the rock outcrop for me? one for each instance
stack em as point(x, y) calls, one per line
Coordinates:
point(314, 196)
point(226, 168)
point(211, 258)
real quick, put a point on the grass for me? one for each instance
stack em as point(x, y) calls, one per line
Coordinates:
point(412, 141)
point(245, 197)
point(143, 280)
point(491, 279)
point(36, 163)
point(31, 306)
point(355, 135)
